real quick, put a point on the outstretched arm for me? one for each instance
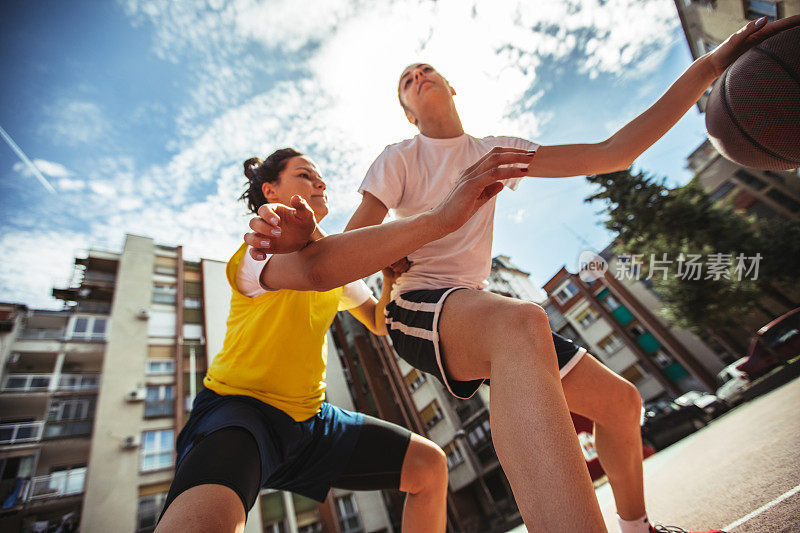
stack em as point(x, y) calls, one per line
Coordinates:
point(620, 150)
point(335, 260)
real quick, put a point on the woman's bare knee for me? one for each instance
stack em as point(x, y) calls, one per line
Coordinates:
point(424, 467)
point(204, 508)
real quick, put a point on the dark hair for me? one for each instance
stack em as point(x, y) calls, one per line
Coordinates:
point(259, 172)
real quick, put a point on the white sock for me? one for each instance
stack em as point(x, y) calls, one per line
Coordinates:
point(640, 525)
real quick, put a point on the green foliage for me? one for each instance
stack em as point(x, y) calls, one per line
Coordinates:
point(650, 218)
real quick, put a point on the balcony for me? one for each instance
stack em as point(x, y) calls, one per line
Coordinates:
point(27, 382)
point(42, 382)
point(78, 382)
point(68, 428)
point(61, 335)
point(21, 432)
point(58, 484)
point(43, 334)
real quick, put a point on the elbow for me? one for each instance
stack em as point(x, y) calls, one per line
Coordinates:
point(614, 157)
point(318, 278)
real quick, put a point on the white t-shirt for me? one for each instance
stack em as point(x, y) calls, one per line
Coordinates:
point(248, 281)
point(413, 176)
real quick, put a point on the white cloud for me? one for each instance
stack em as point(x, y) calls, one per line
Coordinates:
point(48, 168)
point(75, 123)
point(518, 216)
point(42, 260)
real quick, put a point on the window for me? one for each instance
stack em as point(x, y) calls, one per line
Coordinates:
point(610, 344)
point(722, 191)
point(454, 457)
point(610, 303)
point(348, 514)
point(314, 527)
point(88, 328)
point(159, 401)
point(432, 414)
point(161, 324)
point(761, 8)
point(192, 303)
point(479, 435)
point(193, 331)
point(750, 180)
point(71, 409)
point(784, 200)
point(566, 292)
point(167, 266)
point(156, 367)
point(164, 293)
point(637, 330)
point(149, 510)
point(632, 374)
point(415, 379)
point(587, 317)
point(156, 451)
point(162, 351)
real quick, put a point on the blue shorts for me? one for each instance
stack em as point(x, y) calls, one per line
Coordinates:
point(413, 323)
point(302, 457)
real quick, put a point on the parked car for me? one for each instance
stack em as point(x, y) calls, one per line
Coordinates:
point(732, 383)
point(711, 405)
point(664, 422)
point(773, 345)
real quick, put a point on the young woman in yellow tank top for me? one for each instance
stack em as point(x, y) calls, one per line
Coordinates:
point(261, 421)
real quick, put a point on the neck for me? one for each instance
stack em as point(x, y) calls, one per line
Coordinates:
point(441, 123)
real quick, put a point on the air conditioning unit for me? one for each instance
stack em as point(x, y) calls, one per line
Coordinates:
point(130, 442)
point(136, 395)
point(143, 314)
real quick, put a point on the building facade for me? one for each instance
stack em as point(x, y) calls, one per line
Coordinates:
point(620, 322)
point(768, 194)
point(92, 398)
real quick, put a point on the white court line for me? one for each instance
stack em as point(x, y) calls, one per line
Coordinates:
point(763, 508)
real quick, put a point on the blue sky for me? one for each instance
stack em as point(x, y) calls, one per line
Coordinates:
point(140, 112)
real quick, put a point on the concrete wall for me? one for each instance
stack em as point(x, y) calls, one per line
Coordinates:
point(111, 496)
point(216, 305)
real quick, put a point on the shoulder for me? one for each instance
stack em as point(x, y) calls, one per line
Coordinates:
point(248, 276)
point(398, 149)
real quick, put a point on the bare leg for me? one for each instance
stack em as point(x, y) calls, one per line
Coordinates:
point(204, 509)
point(424, 479)
point(594, 391)
point(486, 335)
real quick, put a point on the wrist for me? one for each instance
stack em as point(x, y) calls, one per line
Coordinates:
point(430, 225)
point(706, 68)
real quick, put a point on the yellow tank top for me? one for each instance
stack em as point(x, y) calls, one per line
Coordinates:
point(275, 347)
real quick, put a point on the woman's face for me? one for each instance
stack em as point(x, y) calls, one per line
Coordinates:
point(301, 177)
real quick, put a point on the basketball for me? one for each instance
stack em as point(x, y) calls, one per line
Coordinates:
point(753, 111)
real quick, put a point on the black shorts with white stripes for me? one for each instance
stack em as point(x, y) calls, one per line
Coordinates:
point(413, 323)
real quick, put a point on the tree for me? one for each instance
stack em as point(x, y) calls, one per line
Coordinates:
point(650, 218)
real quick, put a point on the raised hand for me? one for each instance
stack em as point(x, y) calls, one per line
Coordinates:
point(478, 184)
point(754, 33)
point(281, 229)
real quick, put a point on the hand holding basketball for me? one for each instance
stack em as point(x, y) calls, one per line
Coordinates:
point(754, 33)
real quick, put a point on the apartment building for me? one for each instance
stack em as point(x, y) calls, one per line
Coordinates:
point(93, 396)
point(619, 322)
point(768, 194)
